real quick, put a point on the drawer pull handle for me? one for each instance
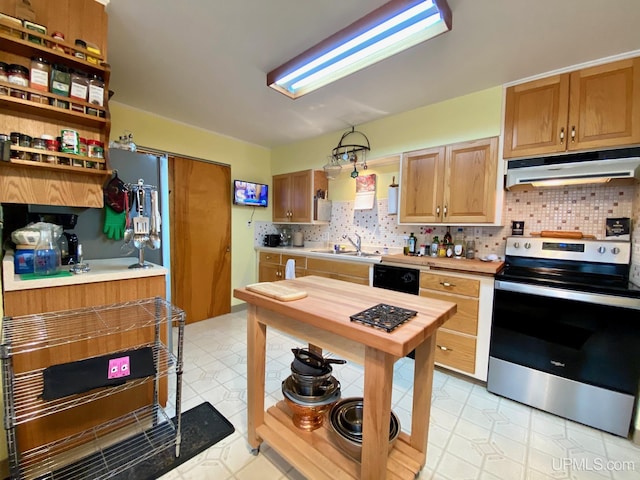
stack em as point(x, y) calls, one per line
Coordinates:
point(444, 349)
point(447, 284)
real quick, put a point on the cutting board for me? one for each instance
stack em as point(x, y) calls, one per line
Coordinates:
point(562, 234)
point(277, 290)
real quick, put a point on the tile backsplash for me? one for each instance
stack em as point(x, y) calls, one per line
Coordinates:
point(578, 208)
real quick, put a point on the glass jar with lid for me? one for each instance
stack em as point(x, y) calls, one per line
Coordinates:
point(4, 77)
point(39, 77)
point(60, 80)
point(79, 89)
point(96, 90)
point(18, 75)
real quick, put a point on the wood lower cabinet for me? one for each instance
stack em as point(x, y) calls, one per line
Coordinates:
point(450, 184)
point(591, 108)
point(354, 272)
point(462, 343)
point(271, 266)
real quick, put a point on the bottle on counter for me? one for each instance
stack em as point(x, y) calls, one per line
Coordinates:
point(458, 244)
point(435, 243)
point(447, 237)
point(412, 244)
point(442, 249)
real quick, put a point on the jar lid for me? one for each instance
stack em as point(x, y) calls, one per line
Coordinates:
point(94, 142)
point(46, 137)
point(15, 68)
point(3, 66)
point(79, 73)
point(58, 35)
point(24, 137)
point(95, 76)
point(39, 59)
point(81, 43)
point(60, 68)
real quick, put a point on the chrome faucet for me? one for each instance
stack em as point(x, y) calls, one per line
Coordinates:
point(357, 243)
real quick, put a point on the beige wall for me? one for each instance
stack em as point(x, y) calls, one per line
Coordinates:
point(472, 116)
point(247, 161)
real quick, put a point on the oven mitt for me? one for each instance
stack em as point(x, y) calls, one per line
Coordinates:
point(105, 371)
point(114, 193)
point(114, 223)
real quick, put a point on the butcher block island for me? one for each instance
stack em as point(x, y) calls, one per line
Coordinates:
point(322, 318)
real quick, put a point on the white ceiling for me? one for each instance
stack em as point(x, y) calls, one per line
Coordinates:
point(204, 62)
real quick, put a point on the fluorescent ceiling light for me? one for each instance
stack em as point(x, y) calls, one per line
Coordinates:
point(390, 29)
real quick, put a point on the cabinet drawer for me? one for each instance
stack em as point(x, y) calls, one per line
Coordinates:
point(301, 262)
point(456, 351)
point(466, 318)
point(338, 276)
point(345, 268)
point(450, 284)
point(268, 257)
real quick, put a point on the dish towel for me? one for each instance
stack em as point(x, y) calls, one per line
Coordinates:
point(290, 269)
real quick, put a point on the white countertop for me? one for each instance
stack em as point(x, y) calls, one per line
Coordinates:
point(309, 251)
point(103, 270)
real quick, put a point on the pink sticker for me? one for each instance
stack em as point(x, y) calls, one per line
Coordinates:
point(118, 367)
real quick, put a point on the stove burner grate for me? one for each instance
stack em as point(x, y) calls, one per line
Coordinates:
point(383, 316)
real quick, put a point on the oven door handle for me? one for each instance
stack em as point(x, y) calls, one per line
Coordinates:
point(597, 298)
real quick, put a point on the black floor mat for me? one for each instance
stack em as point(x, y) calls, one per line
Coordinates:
point(202, 427)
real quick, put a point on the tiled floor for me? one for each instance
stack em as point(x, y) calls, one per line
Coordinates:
point(473, 433)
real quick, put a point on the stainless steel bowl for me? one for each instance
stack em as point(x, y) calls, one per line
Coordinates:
point(345, 419)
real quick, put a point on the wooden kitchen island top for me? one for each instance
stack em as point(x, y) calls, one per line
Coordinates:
point(322, 319)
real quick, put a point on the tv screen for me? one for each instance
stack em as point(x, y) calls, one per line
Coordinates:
point(250, 193)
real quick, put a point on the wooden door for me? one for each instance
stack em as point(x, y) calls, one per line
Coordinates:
point(604, 108)
point(200, 216)
point(536, 117)
point(470, 181)
point(422, 174)
point(301, 197)
point(281, 198)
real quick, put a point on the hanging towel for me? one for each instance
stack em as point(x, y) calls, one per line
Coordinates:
point(290, 269)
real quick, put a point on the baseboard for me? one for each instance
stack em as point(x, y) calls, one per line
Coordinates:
point(238, 308)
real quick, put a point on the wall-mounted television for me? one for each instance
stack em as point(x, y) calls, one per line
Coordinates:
point(250, 193)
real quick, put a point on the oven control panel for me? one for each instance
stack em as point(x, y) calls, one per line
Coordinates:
point(600, 251)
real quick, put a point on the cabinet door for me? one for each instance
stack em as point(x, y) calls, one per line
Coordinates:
point(604, 108)
point(421, 189)
point(470, 181)
point(301, 196)
point(536, 117)
point(281, 195)
point(269, 272)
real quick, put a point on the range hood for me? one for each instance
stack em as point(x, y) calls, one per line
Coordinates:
point(575, 169)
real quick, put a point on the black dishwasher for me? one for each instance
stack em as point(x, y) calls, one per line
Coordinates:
point(399, 279)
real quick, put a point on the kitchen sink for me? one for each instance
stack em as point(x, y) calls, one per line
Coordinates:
point(362, 254)
point(334, 252)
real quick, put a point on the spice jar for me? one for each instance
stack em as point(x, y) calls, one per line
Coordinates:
point(4, 78)
point(96, 90)
point(56, 46)
point(52, 146)
point(79, 89)
point(15, 138)
point(60, 80)
point(80, 44)
point(39, 144)
point(69, 141)
point(95, 149)
point(39, 78)
point(18, 75)
point(83, 147)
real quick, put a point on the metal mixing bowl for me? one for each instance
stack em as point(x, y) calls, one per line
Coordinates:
point(345, 419)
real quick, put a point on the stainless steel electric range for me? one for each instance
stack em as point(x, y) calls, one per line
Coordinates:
point(566, 330)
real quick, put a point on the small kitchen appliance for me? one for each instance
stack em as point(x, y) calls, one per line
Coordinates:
point(311, 389)
point(271, 240)
point(565, 330)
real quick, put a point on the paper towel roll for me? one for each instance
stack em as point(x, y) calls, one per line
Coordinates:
point(290, 269)
point(393, 201)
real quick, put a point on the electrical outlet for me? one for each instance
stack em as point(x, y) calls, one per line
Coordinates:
point(118, 367)
point(477, 231)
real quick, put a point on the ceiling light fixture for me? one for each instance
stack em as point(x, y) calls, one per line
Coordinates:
point(390, 29)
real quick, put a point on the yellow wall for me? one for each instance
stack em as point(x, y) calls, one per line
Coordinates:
point(469, 117)
point(247, 161)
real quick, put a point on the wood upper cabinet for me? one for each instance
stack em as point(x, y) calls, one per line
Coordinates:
point(592, 108)
point(451, 184)
point(293, 195)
